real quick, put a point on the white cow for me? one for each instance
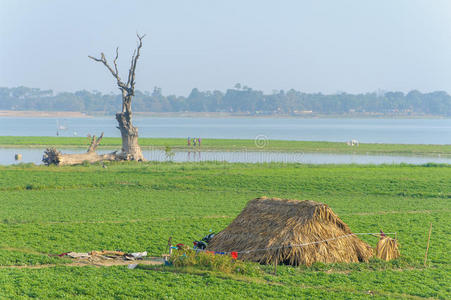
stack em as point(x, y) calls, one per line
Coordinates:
point(353, 143)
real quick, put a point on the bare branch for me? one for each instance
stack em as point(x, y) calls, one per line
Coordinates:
point(115, 60)
point(115, 74)
point(131, 81)
point(94, 142)
point(96, 59)
point(131, 68)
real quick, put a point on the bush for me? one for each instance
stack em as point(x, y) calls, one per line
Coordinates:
point(213, 262)
point(434, 165)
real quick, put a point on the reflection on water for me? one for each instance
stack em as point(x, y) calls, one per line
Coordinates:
point(34, 155)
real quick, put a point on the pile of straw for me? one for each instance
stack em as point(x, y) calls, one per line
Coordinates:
point(387, 248)
point(281, 225)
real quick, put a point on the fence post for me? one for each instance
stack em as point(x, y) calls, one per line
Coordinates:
point(276, 261)
point(427, 248)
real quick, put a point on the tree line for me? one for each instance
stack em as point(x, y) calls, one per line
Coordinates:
point(242, 100)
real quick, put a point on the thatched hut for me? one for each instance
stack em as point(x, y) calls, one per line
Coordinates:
point(290, 232)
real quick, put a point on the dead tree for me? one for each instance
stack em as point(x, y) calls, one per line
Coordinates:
point(130, 147)
point(55, 157)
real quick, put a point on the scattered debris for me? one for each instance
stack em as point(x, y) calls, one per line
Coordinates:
point(106, 252)
point(202, 244)
point(136, 255)
point(78, 255)
point(105, 255)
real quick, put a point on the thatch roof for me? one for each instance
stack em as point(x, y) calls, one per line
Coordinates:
point(272, 223)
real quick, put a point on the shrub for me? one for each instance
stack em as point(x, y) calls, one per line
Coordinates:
point(213, 262)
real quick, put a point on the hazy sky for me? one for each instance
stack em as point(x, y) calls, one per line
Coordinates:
point(313, 46)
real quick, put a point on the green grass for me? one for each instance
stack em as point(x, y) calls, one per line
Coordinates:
point(235, 145)
point(136, 207)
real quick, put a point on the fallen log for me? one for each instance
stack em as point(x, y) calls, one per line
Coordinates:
point(55, 157)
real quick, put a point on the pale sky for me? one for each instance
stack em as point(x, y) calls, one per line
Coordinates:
point(312, 46)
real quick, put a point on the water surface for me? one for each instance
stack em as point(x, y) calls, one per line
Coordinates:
point(393, 131)
point(34, 155)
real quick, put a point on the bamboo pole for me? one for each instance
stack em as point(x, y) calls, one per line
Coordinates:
point(276, 261)
point(170, 245)
point(427, 248)
point(168, 249)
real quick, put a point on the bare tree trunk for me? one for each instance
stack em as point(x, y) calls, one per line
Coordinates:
point(53, 156)
point(130, 147)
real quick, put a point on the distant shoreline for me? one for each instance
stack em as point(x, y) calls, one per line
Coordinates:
point(42, 114)
point(77, 114)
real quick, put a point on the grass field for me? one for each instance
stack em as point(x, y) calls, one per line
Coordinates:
point(136, 207)
point(235, 145)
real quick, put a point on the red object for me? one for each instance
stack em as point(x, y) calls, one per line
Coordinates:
point(180, 246)
point(211, 252)
point(63, 254)
point(234, 255)
point(382, 233)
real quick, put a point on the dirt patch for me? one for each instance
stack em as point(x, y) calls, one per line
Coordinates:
point(97, 262)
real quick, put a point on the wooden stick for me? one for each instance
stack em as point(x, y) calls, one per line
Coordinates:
point(276, 262)
point(169, 244)
point(168, 247)
point(427, 248)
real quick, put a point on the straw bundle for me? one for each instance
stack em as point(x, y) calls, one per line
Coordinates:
point(282, 225)
point(387, 248)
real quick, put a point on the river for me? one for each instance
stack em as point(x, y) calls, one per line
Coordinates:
point(393, 131)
